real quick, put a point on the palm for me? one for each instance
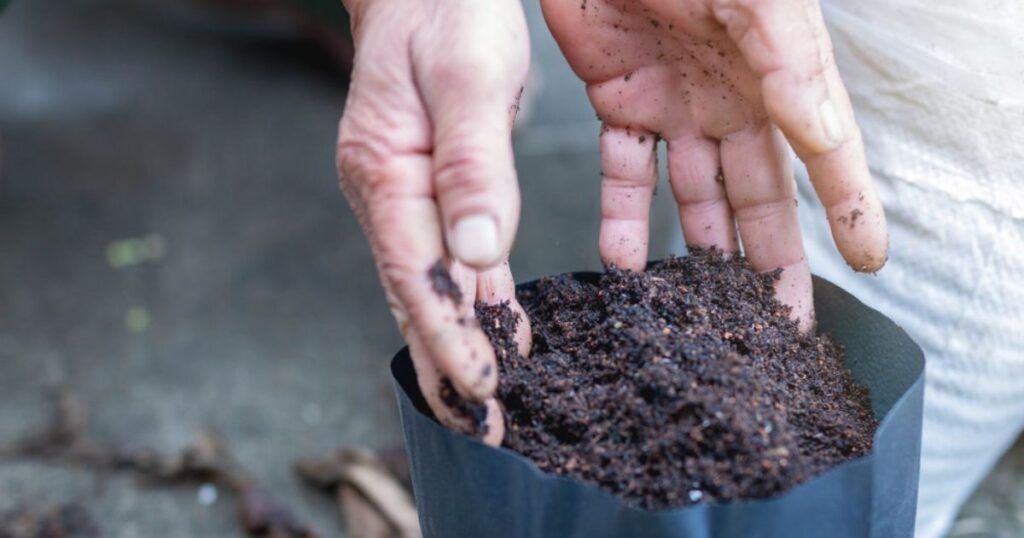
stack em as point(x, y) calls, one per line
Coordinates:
point(658, 69)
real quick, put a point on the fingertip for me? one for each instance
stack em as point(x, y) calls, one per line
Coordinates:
point(807, 323)
point(463, 353)
point(496, 286)
point(494, 424)
point(487, 382)
point(624, 244)
point(795, 289)
point(861, 234)
point(480, 420)
point(866, 261)
point(483, 372)
point(866, 256)
point(479, 381)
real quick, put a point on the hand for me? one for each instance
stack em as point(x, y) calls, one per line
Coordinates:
point(719, 80)
point(425, 161)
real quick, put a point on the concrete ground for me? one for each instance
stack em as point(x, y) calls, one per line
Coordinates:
point(256, 310)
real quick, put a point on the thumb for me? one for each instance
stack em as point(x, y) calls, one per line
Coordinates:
point(470, 78)
point(786, 44)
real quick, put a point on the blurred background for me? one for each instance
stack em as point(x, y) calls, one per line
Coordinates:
point(174, 247)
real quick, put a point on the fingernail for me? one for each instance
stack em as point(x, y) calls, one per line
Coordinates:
point(474, 240)
point(830, 122)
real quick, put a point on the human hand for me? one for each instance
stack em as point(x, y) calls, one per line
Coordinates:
point(722, 81)
point(425, 161)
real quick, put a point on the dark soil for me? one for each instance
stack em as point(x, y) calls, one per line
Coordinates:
point(686, 383)
point(441, 281)
point(476, 413)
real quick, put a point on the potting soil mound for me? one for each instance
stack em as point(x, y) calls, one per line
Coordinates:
point(686, 383)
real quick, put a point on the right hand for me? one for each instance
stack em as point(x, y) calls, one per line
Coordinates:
point(726, 83)
point(425, 160)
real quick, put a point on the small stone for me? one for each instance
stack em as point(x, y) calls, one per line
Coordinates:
point(207, 494)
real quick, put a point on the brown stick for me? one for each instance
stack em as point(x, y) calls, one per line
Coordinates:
point(363, 483)
point(66, 439)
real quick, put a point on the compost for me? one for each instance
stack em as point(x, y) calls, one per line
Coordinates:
point(686, 383)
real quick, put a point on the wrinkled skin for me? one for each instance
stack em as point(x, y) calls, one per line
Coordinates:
point(425, 146)
point(725, 84)
point(425, 158)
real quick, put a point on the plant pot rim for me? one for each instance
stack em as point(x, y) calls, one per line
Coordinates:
point(896, 385)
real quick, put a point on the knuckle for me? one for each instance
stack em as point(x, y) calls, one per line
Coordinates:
point(399, 256)
point(473, 68)
point(401, 279)
point(461, 171)
point(786, 87)
point(760, 210)
point(362, 163)
point(466, 168)
point(355, 157)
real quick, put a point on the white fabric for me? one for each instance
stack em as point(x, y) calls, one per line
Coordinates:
point(938, 88)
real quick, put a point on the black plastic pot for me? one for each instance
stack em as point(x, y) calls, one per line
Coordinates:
point(465, 489)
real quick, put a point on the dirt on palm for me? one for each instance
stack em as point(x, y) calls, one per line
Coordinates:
point(686, 383)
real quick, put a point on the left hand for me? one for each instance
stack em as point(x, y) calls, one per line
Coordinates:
point(425, 160)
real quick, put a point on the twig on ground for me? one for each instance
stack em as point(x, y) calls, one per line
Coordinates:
point(66, 439)
point(375, 501)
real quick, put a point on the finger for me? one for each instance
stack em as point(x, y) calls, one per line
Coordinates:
point(855, 213)
point(496, 286)
point(698, 186)
point(843, 182)
point(787, 45)
point(470, 72)
point(405, 233)
point(629, 174)
point(480, 420)
point(760, 187)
